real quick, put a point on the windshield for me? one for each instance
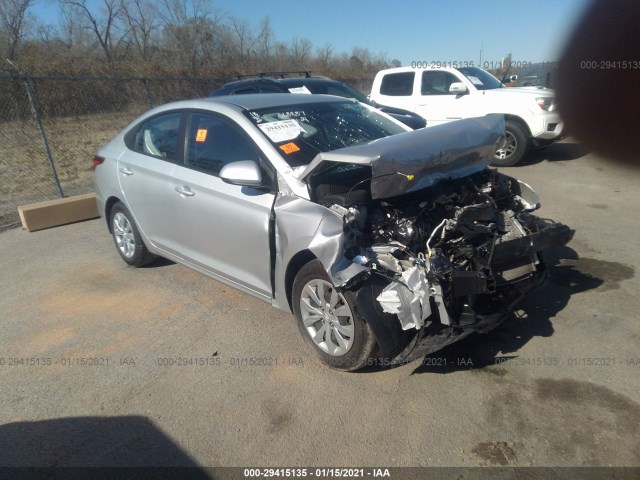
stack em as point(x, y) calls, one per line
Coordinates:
point(300, 132)
point(481, 79)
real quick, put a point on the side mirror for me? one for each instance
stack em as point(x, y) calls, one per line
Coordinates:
point(458, 88)
point(245, 173)
point(513, 78)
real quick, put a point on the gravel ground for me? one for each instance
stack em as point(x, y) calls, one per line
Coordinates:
point(558, 385)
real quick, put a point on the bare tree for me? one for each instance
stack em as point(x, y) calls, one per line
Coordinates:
point(243, 40)
point(182, 36)
point(70, 28)
point(299, 51)
point(105, 26)
point(13, 18)
point(323, 56)
point(139, 16)
point(264, 43)
point(190, 30)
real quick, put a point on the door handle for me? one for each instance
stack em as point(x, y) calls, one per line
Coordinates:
point(126, 171)
point(186, 191)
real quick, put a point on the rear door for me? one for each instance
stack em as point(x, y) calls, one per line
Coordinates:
point(145, 174)
point(223, 228)
point(396, 90)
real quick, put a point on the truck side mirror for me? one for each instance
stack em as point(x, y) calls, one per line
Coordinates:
point(458, 88)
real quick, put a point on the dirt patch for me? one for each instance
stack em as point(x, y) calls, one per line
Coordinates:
point(625, 412)
point(44, 340)
point(495, 453)
point(565, 420)
point(278, 416)
point(609, 275)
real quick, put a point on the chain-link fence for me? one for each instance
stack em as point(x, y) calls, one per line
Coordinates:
point(51, 127)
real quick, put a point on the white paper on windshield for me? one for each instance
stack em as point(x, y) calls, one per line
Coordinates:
point(301, 89)
point(281, 131)
point(475, 80)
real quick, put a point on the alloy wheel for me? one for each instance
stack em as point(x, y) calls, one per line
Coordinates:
point(327, 317)
point(123, 233)
point(508, 147)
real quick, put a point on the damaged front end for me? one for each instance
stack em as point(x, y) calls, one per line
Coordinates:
point(432, 265)
point(450, 261)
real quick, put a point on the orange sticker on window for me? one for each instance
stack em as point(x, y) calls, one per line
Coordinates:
point(289, 148)
point(201, 136)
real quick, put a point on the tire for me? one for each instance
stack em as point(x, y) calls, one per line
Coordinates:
point(127, 239)
point(342, 341)
point(514, 148)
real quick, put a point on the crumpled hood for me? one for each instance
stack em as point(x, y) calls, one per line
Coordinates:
point(423, 157)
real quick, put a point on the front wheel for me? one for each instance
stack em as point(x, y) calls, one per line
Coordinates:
point(514, 148)
point(328, 321)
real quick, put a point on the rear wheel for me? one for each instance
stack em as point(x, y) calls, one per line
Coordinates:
point(127, 237)
point(514, 148)
point(328, 322)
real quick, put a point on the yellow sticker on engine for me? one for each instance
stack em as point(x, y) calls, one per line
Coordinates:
point(201, 136)
point(289, 148)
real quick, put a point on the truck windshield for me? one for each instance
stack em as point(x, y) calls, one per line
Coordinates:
point(481, 79)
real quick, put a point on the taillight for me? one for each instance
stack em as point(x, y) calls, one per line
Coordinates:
point(97, 160)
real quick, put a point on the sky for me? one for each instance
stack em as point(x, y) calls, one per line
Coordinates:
point(411, 30)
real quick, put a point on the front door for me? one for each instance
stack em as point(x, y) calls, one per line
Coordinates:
point(224, 229)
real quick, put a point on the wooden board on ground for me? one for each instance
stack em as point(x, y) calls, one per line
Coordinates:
point(53, 213)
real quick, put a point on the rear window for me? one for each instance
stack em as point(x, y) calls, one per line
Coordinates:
point(397, 84)
point(158, 136)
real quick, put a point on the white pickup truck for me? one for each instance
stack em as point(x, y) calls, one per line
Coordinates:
point(444, 94)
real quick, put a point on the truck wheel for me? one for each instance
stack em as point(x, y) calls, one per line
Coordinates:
point(514, 148)
point(328, 321)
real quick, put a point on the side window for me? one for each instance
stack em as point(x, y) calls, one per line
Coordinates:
point(158, 136)
point(397, 84)
point(331, 90)
point(270, 89)
point(437, 83)
point(212, 142)
point(244, 90)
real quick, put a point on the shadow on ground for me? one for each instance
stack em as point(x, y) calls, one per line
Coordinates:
point(533, 319)
point(160, 262)
point(556, 152)
point(128, 441)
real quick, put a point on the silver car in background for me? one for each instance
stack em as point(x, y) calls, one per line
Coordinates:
point(386, 244)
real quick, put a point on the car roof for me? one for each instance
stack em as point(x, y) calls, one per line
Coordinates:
point(287, 81)
point(251, 81)
point(305, 80)
point(252, 101)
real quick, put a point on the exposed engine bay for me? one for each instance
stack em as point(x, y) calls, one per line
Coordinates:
point(449, 259)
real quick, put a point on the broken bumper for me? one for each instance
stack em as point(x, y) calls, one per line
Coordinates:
point(399, 345)
point(427, 340)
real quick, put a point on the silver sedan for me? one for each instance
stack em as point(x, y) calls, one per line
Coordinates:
point(386, 244)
